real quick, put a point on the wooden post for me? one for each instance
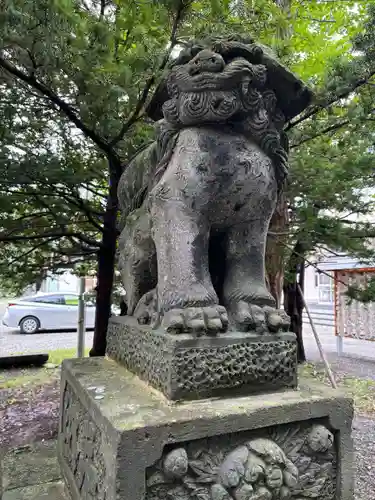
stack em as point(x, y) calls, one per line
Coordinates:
point(319, 344)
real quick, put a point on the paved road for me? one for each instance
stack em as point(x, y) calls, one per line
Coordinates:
point(351, 347)
point(12, 342)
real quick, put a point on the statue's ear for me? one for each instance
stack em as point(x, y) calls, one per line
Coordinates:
point(293, 96)
point(172, 88)
point(161, 94)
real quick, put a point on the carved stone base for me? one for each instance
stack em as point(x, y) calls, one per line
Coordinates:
point(121, 440)
point(189, 367)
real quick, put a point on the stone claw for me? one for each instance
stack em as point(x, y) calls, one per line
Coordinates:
point(250, 317)
point(277, 320)
point(197, 320)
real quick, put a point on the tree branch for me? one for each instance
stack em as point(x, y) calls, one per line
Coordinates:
point(150, 82)
point(310, 263)
point(79, 203)
point(28, 216)
point(94, 191)
point(62, 105)
point(70, 197)
point(25, 254)
point(315, 20)
point(319, 134)
point(328, 250)
point(86, 6)
point(75, 252)
point(6, 238)
point(316, 109)
point(102, 9)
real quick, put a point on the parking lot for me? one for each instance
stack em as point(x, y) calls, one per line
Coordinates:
point(12, 342)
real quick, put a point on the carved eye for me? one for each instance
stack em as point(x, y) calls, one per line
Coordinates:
point(213, 59)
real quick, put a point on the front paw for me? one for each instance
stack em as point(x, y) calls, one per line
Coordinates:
point(276, 319)
point(208, 320)
point(246, 317)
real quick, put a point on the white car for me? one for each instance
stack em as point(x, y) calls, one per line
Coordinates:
point(47, 311)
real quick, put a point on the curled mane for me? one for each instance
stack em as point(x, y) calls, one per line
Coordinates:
point(244, 87)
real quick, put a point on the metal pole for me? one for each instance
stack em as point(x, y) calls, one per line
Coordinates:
point(81, 319)
point(319, 344)
point(340, 345)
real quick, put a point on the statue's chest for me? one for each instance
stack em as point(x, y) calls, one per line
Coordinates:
point(235, 177)
point(231, 162)
point(227, 158)
point(239, 164)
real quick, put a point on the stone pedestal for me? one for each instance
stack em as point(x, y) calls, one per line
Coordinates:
point(120, 439)
point(189, 367)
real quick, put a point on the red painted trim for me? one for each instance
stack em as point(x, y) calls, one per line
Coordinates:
point(359, 270)
point(335, 298)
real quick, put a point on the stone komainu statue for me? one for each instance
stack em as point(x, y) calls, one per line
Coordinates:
point(196, 204)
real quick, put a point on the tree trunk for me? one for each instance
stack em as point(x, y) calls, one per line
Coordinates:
point(40, 279)
point(277, 237)
point(38, 284)
point(275, 249)
point(293, 303)
point(106, 264)
point(123, 308)
point(276, 243)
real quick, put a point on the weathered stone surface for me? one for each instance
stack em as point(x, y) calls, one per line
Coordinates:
point(196, 204)
point(85, 448)
point(187, 367)
point(32, 473)
point(276, 463)
point(293, 96)
point(30, 465)
point(294, 445)
point(46, 491)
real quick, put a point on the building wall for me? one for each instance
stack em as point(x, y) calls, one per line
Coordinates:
point(311, 290)
point(319, 288)
point(66, 282)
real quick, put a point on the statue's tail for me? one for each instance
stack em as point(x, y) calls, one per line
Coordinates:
point(134, 182)
point(144, 170)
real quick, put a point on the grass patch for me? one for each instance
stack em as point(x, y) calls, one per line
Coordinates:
point(361, 390)
point(24, 377)
point(58, 356)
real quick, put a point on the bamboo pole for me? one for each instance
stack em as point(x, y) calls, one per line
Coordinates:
point(319, 344)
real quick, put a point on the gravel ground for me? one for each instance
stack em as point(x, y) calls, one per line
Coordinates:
point(30, 414)
point(364, 438)
point(12, 342)
point(348, 366)
point(363, 426)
